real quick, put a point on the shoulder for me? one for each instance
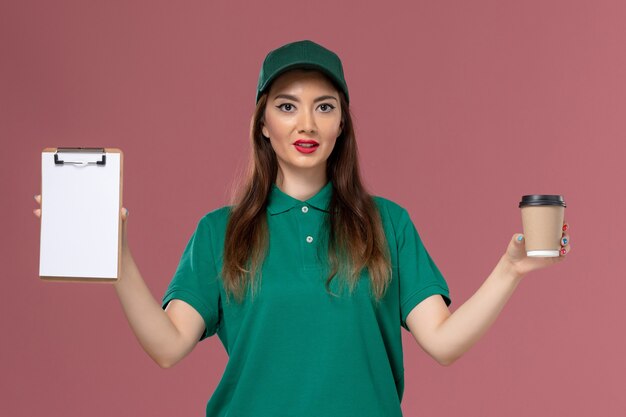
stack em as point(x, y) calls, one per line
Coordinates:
point(395, 218)
point(218, 214)
point(390, 211)
point(216, 219)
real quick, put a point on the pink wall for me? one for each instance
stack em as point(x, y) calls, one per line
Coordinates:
point(460, 109)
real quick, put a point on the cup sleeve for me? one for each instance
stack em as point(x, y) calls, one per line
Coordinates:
point(418, 276)
point(196, 279)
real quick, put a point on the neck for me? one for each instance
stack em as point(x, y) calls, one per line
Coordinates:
point(301, 187)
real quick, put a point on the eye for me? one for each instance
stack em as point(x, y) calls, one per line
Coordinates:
point(331, 107)
point(285, 104)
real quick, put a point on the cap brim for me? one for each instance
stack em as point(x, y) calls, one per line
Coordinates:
point(295, 65)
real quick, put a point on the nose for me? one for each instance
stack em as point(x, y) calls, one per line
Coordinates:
point(306, 122)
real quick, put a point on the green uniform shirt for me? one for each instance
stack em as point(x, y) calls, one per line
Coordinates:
point(295, 350)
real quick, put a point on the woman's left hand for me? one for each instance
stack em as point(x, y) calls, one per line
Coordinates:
point(523, 264)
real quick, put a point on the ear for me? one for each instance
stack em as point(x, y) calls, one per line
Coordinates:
point(265, 132)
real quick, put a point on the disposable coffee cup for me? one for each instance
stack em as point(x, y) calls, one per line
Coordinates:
point(542, 221)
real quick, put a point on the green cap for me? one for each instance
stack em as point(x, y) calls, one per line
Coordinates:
point(301, 54)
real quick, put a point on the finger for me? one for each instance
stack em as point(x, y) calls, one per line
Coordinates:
point(565, 240)
point(565, 226)
point(37, 212)
point(564, 251)
point(38, 198)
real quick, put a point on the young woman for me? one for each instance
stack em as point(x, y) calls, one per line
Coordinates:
point(307, 278)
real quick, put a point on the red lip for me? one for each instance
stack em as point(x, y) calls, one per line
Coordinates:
point(305, 141)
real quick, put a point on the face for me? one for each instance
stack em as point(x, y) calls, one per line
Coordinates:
point(302, 105)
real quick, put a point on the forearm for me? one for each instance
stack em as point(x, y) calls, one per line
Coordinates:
point(463, 328)
point(153, 328)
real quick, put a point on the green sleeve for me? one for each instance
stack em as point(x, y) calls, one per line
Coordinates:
point(196, 279)
point(418, 276)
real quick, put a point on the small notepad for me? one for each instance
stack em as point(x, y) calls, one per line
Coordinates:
point(81, 200)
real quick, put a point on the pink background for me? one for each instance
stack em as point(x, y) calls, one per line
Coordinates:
point(460, 109)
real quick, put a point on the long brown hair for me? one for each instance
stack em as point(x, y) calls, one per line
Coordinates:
point(356, 239)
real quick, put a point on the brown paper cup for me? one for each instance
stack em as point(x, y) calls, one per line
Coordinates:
point(542, 221)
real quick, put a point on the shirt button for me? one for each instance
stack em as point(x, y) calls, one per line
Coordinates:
point(305, 209)
point(309, 239)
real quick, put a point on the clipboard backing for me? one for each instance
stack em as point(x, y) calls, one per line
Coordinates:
point(81, 224)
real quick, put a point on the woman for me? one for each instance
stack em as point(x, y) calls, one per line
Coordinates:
point(306, 278)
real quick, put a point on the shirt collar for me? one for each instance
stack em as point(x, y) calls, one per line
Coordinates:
point(280, 202)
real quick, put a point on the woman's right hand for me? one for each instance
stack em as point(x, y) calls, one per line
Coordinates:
point(124, 214)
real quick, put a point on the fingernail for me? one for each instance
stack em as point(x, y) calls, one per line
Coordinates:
point(126, 212)
point(564, 227)
point(563, 251)
point(565, 241)
point(519, 238)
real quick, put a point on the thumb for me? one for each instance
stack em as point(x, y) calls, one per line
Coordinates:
point(124, 214)
point(124, 221)
point(517, 248)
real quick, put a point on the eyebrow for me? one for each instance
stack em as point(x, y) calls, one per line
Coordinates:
point(294, 98)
